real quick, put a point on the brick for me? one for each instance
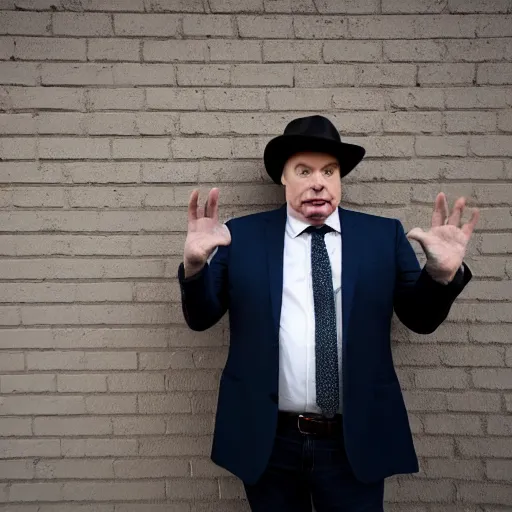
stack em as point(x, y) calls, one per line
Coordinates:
point(412, 27)
point(35, 383)
point(453, 424)
point(78, 360)
point(174, 51)
point(41, 491)
point(12, 362)
point(407, 98)
point(505, 121)
point(162, 98)
point(82, 24)
point(458, 469)
point(113, 50)
point(102, 491)
point(414, 50)
point(140, 148)
point(476, 97)
point(130, 425)
point(378, 193)
point(188, 489)
point(356, 51)
point(210, 358)
point(174, 5)
point(185, 380)
point(190, 424)
point(37, 405)
point(164, 403)
point(473, 401)
point(208, 25)
point(76, 74)
point(289, 6)
point(116, 99)
point(231, 489)
point(320, 27)
point(234, 99)
point(143, 74)
point(199, 75)
point(453, 73)
point(347, 6)
point(492, 379)
point(111, 404)
point(292, 51)
point(43, 48)
point(236, 5)
point(352, 99)
point(42, 197)
point(441, 378)
point(73, 147)
point(25, 23)
point(160, 25)
point(168, 172)
point(432, 446)
point(10, 316)
point(499, 425)
point(230, 171)
point(469, 6)
point(495, 74)
point(163, 507)
point(156, 292)
point(440, 491)
point(491, 145)
point(151, 468)
point(425, 400)
point(14, 426)
point(415, 122)
point(18, 73)
point(17, 469)
point(17, 148)
point(464, 122)
point(80, 469)
point(386, 74)
point(383, 146)
point(201, 147)
point(493, 290)
point(88, 426)
point(234, 51)
point(324, 75)
point(7, 48)
point(499, 469)
point(256, 74)
point(134, 382)
point(415, 6)
point(496, 25)
point(86, 383)
point(174, 446)
point(207, 402)
point(451, 145)
point(480, 50)
point(91, 447)
point(11, 448)
point(261, 27)
point(472, 356)
point(493, 243)
point(484, 447)
point(55, 98)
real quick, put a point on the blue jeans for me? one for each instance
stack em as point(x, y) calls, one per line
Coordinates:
point(306, 471)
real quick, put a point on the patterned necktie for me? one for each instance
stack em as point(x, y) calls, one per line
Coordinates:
point(326, 340)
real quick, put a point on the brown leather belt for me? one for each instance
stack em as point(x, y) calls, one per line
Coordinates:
point(310, 424)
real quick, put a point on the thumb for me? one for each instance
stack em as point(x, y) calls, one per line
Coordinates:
point(417, 234)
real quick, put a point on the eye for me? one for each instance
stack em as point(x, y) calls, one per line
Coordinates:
point(329, 171)
point(303, 171)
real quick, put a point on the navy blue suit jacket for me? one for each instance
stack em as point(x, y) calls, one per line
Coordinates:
point(380, 273)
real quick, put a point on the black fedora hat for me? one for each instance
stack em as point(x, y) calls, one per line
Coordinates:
point(312, 133)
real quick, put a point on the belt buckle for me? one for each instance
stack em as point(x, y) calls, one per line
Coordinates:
point(305, 418)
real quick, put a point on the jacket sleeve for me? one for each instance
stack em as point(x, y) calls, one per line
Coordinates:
point(421, 303)
point(204, 296)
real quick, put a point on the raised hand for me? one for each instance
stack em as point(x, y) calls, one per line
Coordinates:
point(205, 232)
point(446, 241)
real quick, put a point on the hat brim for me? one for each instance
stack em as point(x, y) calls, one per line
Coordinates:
point(281, 148)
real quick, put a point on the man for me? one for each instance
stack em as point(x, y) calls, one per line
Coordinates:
point(310, 409)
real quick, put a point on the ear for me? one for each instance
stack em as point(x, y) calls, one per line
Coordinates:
point(283, 179)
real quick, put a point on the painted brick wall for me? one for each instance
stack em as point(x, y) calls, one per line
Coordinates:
point(112, 111)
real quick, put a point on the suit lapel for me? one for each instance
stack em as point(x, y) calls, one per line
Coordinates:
point(351, 245)
point(275, 228)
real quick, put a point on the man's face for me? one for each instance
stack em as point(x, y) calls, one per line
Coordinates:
point(313, 186)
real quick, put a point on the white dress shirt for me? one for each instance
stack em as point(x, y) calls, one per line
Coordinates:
point(297, 388)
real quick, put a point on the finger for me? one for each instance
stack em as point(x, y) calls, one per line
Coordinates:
point(417, 234)
point(468, 228)
point(192, 205)
point(213, 204)
point(458, 210)
point(440, 213)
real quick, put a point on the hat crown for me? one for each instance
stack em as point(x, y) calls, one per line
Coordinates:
point(313, 126)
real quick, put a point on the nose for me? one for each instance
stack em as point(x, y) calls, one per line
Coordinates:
point(317, 182)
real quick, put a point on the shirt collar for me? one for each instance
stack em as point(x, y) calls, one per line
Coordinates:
point(297, 226)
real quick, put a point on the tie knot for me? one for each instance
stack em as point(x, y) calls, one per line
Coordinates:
point(322, 230)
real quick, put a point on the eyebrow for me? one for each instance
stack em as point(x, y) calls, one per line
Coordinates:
point(326, 165)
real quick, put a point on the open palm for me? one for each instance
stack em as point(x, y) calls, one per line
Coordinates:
point(446, 241)
point(205, 232)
